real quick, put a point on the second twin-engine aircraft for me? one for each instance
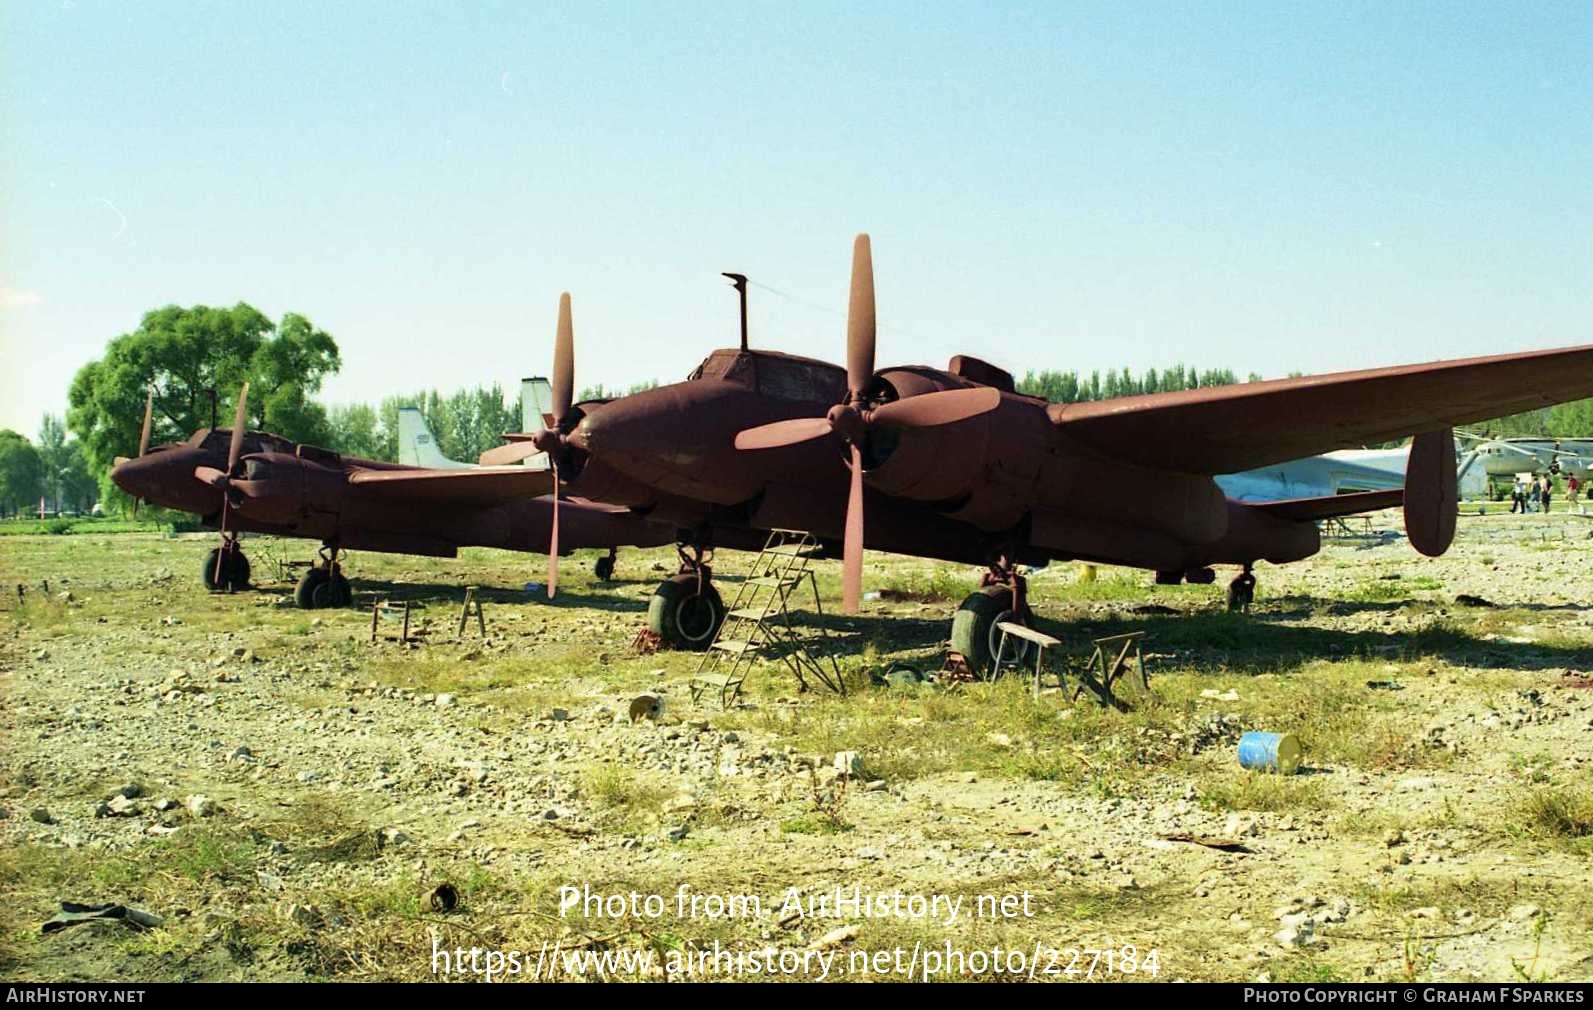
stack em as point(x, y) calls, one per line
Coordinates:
point(256, 482)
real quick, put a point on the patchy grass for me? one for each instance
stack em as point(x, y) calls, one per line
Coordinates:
point(1560, 813)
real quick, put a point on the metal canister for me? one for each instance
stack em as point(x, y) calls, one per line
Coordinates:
point(1270, 752)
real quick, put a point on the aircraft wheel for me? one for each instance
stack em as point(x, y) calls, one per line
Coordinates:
point(332, 592)
point(234, 571)
point(682, 616)
point(309, 596)
point(604, 568)
point(1200, 576)
point(1169, 578)
point(975, 634)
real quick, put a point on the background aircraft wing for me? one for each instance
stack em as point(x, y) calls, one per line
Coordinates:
point(479, 486)
point(1329, 506)
point(1226, 429)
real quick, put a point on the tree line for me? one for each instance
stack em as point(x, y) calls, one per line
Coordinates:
point(196, 359)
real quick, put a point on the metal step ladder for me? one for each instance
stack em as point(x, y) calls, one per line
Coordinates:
point(759, 624)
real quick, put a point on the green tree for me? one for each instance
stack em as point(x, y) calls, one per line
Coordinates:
point(354, 431)
point(53, 457)
point(183, 353)
point(79, 489)
point(21, 473)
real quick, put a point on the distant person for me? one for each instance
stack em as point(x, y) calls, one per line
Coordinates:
point(1573, 494)
point(1548, 493)
point(1518, 496)
point(1536, 495)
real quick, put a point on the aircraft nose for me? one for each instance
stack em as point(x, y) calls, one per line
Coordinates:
point(137, 477)
point(162, 477)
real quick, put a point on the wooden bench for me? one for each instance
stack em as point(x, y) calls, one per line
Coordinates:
point(1039, 639)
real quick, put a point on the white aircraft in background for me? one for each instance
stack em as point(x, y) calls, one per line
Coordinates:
point(1506, 457)
point(1342, 472)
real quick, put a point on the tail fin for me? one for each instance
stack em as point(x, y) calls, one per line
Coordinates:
point(1473, 476)
point(536, 399)
point(417, 447)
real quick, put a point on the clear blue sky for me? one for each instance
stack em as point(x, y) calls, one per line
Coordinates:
point(1266, 187)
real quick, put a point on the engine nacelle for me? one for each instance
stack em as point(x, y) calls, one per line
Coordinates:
point(286, 489)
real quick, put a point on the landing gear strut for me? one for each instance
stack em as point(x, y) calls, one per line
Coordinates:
point(1242, 591)
point(234, 567)
point(604, 568)
point(1002, 596)
point(324, 586)
point(686, 610)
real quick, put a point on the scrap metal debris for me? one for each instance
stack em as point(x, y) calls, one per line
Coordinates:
point(73, 912)
point(1210, 842)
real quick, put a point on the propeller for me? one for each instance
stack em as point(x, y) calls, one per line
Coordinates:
point(223, 478)
point(852, 419)
point(522, 445)
point(143, 439)
point(550, 439)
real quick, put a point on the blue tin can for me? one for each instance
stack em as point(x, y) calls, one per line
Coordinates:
point(1270, 752)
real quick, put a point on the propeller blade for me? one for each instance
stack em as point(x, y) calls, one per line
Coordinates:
point(503, 455)
point(236, 448)
point(783, 433)
point(553, 547)
point(563, 361)
point(932, 409)
point(221, 555)
point(852, 549)
point(210, 475)
point(149, 417)
point(860, 319)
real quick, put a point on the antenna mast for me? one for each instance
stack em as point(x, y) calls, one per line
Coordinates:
point(740, 281)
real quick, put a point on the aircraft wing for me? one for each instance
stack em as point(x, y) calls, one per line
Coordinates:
point(1331, 506)
point(478, 486)
point(1226, 429)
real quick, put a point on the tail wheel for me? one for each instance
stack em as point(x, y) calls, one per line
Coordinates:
point(686, 613)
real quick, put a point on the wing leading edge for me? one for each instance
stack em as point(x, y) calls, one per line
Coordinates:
point(1227, 429)
point(479, 486)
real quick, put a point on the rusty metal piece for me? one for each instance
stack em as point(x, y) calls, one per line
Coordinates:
point(647, 641)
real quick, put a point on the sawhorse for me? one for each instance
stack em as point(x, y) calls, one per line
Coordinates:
point(472, 606)
point(383, 607)
point(1111, 671)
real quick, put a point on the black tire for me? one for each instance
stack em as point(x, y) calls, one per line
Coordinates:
point(333, 593)
point(604, 568)
point(306, 595)
point(209, 574)
point(234, 571)
point(683, 617)
point(975, 635)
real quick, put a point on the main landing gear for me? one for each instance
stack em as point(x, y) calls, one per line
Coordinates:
point(232, 572)
point(1242, 591)
point(686, 610)
point(975, 628)
point(324, 586)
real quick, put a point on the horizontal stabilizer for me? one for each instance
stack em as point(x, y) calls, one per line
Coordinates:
point(478, 486)
point(1331, 506)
